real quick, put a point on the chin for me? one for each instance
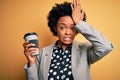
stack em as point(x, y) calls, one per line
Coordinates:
point(67, 42)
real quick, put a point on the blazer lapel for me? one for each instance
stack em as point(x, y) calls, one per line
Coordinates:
point(48, 54)
point(47, 59)
point(75, 57)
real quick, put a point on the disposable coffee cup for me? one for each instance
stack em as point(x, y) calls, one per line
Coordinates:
point(32, 37)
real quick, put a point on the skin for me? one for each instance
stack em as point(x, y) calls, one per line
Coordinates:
point(65, 30)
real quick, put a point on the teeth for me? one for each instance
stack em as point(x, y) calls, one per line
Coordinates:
point(66, 38)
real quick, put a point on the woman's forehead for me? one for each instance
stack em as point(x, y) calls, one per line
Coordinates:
point(65, 20)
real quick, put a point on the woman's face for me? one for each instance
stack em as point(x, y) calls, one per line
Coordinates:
point(65, 30)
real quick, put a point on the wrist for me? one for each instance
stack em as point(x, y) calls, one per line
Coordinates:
point(30, 63)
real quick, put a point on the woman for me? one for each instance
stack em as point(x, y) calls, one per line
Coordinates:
point(66, 59)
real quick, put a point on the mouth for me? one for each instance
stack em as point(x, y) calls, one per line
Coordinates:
point(67, 39)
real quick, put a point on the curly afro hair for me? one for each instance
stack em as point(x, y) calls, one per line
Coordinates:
point(57, 11)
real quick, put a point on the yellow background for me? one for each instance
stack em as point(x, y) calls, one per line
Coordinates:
point(18, 17)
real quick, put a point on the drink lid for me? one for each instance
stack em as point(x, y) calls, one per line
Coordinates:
point(28, 34)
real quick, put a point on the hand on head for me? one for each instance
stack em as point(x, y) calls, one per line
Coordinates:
point(77, 12)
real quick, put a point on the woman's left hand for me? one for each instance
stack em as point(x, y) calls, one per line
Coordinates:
point(77, 12)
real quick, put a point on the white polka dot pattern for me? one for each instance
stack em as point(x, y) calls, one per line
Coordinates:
point(60, 67)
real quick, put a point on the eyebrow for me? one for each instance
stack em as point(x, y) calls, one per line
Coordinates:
point(61, 24)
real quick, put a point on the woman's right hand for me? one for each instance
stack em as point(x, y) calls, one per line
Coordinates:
point(28, 50)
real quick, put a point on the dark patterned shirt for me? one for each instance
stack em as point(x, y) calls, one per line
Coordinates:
point(60, 67)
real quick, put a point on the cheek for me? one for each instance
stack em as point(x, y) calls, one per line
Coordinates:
point(74, 33)
point(59, 33)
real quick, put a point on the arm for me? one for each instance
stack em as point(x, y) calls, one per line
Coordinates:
point(31, 68)
point(31, 72)
point(100, 45)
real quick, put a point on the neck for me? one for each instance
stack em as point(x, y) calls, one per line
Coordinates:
point(64, 46)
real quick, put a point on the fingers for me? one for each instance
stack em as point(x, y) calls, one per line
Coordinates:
point(27, 45)
point(82, 12)
point(76, 4)
point(28, 50)
point(31, 50)
point(77, 12)
point(72, 7)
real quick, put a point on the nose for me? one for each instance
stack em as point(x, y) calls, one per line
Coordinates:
point(68, 31)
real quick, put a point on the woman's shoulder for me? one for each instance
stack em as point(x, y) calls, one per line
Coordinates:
point(82, 44)
point(48, 47)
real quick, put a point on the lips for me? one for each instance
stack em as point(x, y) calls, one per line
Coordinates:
point(67, 39)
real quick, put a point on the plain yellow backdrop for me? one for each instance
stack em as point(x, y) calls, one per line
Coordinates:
point(18, 17)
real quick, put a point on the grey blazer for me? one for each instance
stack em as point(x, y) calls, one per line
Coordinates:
point(83, 54)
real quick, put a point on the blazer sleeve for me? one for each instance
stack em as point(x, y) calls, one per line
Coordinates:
point(33, 71)
point(99, 47)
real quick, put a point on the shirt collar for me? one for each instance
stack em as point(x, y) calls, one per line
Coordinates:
point(57, 46)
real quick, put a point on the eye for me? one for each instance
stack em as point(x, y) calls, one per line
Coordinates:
point(61, 27)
